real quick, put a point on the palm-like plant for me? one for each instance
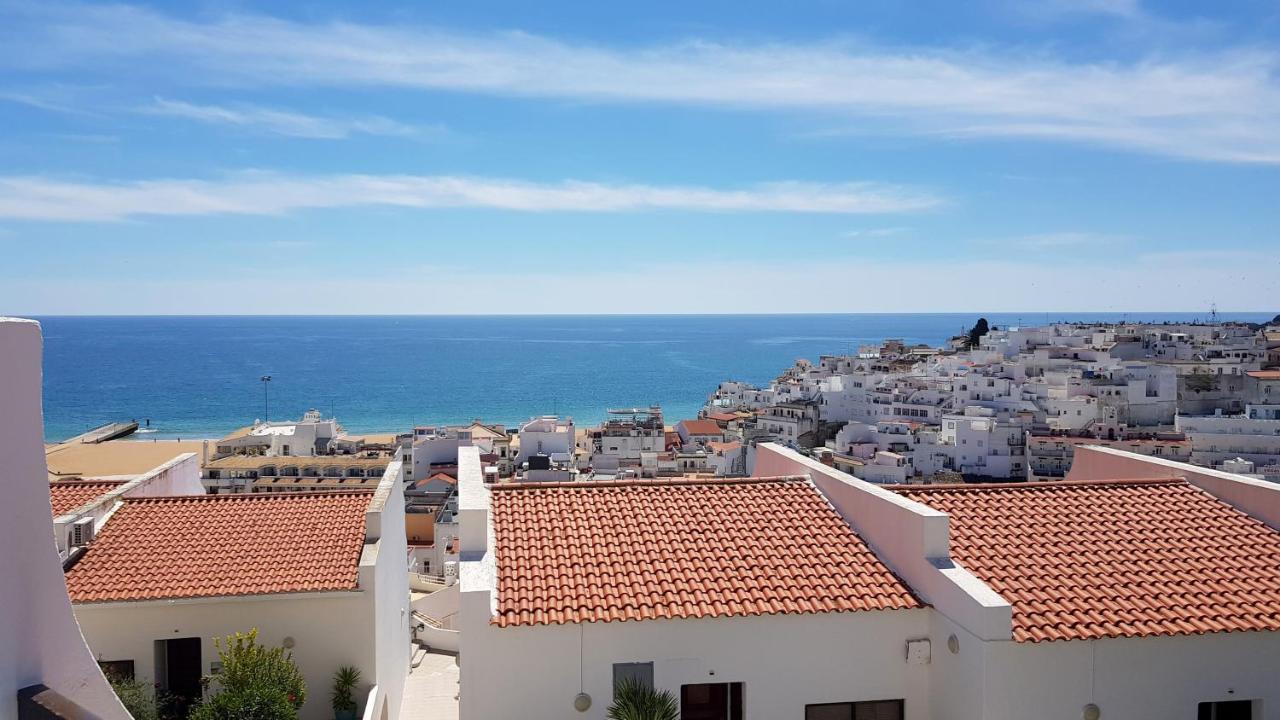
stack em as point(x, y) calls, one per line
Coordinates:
point(344, 683)
point(633, 700)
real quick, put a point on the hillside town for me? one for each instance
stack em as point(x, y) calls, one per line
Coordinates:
point(1076, 520)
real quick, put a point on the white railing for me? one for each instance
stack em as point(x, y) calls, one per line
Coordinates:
point(373, 704)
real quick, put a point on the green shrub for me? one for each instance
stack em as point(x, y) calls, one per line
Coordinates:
point(633, 700)
point(137, 697)
point(256, 682)
point(253, 703)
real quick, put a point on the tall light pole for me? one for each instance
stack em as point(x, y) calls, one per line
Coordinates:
point(266, 407)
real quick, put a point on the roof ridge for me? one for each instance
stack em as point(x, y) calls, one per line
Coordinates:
point(255, 496)
point(1044, 484)
point(650, 482)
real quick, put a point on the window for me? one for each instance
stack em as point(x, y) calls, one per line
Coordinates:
point(641, 672)
point(873, 710)
point(1226, 710)
point(117, 669)
point(711, 701)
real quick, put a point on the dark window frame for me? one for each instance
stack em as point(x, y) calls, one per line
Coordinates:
point(1213, 709)
point(853, 706)
point(118, 669)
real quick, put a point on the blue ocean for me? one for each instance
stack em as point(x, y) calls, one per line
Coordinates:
point(195, 377)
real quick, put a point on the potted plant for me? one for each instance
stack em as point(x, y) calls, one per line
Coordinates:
point(344, 684)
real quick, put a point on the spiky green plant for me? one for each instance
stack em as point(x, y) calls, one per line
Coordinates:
point(344, 683)
point(634, 700)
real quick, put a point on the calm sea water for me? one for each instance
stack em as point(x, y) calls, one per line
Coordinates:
point(199, 376)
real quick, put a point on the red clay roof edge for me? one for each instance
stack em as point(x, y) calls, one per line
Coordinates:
point(255, 496)
point(651, 482)
point(1037, 484)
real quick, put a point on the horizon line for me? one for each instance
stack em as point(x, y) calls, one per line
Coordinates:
point(638, 314)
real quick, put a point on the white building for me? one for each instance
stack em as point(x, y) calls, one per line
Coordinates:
point(686, 633)
point(794, 422)
point(630, 438)
point(699, 432)
point(1120, 594)
point(312, 435)
point(547, 435)
point(322, 574)
point(985, 444)
point(1253, 436)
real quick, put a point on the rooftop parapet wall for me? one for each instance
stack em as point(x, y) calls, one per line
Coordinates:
point(40, 642)
point(179, 476)
point(1258, 498)
point(912, 539)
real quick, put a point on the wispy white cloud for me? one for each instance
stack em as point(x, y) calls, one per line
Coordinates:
point(1048, 242)
point(1219, 106)
point(1067, 240)
point(875, 232)
point(281, 122)
point(55, 99)
point(36, 198)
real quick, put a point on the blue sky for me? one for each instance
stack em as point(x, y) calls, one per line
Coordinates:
point(877, 156)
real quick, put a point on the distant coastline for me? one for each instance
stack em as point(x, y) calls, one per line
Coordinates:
point(198, 376)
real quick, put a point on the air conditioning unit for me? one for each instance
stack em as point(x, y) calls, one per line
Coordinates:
point(82, 532)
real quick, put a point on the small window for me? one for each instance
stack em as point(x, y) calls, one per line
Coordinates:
point(1226, 710)
point(873, 710)
point(711, 701)
point(119, 670)
point(641, 672)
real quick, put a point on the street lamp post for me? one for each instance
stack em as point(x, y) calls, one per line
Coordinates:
point(266, 407)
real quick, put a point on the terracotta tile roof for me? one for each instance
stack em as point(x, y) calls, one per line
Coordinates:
point(254, 462)
point(637, 550)
point(701, 427)
point(67, 495)
point(1120, 558)
point(1264, 374)
point(221, 545)
point(442, 477)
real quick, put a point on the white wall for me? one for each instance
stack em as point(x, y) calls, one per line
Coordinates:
point(179, 476)
point(1151, 678)
point(441, 605)
point(383, 575)
point(40, 642)
point(784, 661)
point(912, 539)
point(330, 630)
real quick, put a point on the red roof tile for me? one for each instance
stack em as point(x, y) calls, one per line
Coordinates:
point(638, 550)
point(220, 545)
point(1121, 558)
point(442, 477)
point(67, 495)
point(701, 427)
